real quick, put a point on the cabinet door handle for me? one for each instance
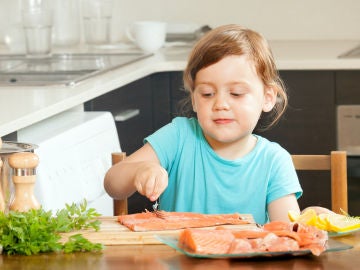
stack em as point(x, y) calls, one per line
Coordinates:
point(126, 115)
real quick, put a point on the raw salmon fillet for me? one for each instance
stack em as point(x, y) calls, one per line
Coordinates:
point(150, 221)
point(273, 237)
point(206, 242)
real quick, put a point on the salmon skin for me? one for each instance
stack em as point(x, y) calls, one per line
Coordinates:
point(151, 221)
point(273, 237)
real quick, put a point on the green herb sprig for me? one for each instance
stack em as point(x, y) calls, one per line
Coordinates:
point(77, 217)
point(77, 243)
point(38, 231)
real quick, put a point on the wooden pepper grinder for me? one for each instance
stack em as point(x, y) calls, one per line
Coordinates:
point(24, 176)
point(2, 201)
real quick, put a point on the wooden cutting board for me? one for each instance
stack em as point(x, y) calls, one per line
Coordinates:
point(113, 233)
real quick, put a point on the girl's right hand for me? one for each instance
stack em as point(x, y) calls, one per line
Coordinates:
point(150, 180)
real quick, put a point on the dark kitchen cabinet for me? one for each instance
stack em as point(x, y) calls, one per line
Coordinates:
point(308, 125)
point(348, 87)
point(177, 93)
point(133, 107)
point(160, 85)
point(139, 108)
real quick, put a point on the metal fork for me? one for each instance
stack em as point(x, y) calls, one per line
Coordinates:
point(158, 213)
point(156, 205)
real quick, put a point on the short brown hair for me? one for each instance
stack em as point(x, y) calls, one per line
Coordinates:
point(234, 39)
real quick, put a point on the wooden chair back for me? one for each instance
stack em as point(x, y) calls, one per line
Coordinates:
point(336, 163)
point(120, 206)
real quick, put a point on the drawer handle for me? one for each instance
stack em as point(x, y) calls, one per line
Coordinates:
point(126, 115)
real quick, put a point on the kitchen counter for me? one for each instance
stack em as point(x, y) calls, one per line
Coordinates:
point(24, 106)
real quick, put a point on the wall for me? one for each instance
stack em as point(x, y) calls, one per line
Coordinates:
point(276, 19)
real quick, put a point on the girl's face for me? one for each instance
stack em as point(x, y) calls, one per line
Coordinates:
point(228, 98)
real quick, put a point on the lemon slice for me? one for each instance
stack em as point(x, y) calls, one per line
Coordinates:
point(309, 217)
point(322, 221)
point(325, 221)
point(293, 215)
point(341, 223)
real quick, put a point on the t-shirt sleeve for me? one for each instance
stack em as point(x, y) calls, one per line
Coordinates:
point(284, 179)
point(165, 143)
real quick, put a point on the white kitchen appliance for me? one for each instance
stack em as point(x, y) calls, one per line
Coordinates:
point(348, 139)
point(348, 129)
point(75, 152)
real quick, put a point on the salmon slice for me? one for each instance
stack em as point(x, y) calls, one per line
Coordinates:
point(205, 241)
point(252, 234)
point(239, 245)
point(312, 238)
point(268, 241)
point(278, 226)
point(224, 242)
point(249, 234)
point(289, 234)
point(311, 235)
point(150, 221)
point(273, 243)
point(308, 237)
point(280, 239)
point(315, 249)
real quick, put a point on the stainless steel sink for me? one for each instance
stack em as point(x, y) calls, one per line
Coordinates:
point(353, 53)
point(67, 69)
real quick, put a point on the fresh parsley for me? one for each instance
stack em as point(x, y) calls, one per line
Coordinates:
point(38, 231)
point(78, 243)
point(77, 217)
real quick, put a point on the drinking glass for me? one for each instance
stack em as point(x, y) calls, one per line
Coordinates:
point(37, 21)
point(97, 15)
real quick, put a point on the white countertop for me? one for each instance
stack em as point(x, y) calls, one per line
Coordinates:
point(24, 106)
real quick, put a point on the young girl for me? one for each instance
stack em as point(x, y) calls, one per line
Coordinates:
point(213, 163)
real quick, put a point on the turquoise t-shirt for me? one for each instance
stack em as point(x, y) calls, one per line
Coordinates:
point(201, 181)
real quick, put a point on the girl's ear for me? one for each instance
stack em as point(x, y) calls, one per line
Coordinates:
point(270, 96)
